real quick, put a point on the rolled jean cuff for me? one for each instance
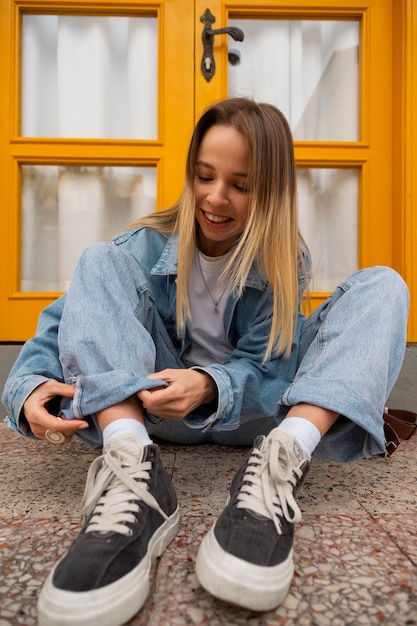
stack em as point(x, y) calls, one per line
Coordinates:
point(343, 400)
point(100, 391)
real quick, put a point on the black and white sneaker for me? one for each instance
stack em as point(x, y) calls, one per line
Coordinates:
point(131, 514)
point(247, 556)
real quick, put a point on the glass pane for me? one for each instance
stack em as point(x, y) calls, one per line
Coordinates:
point(89, 76)
point(328, 200)
point(307, 68)
point(66, 209)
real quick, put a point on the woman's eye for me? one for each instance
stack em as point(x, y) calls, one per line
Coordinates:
point(204, 179)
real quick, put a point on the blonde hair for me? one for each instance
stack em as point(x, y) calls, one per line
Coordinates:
point(271, 237)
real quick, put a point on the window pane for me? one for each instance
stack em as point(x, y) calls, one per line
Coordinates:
point(328, 200)
point(89, 77)
point(307, 68)
point(66, 209)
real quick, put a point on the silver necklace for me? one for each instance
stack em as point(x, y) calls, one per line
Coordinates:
point(215, 302)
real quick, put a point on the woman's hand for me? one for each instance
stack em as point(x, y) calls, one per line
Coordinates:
point(40, 420)
point(187, 389)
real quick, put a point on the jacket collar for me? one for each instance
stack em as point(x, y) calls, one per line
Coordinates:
point(167, 264)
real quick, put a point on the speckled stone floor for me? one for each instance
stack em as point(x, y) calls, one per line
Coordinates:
point(355, 549)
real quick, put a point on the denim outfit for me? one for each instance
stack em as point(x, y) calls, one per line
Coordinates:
point(116, 325)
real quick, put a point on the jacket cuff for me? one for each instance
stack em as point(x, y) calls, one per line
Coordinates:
point(221, 418)
point(16, 399)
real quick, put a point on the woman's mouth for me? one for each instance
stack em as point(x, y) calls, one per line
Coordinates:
point(216, 219)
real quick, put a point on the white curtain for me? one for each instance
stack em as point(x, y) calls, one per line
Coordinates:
point(309, 69)
point(83, 77)
point(328, 200)
point(65, 209)
point(89, 77)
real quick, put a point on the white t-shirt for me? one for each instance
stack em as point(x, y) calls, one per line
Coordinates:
point(206, 327)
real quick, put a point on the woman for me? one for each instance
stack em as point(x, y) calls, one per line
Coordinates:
point(187, 327)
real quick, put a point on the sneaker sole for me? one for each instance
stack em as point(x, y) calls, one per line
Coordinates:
point(112, 605)
point(241, 583)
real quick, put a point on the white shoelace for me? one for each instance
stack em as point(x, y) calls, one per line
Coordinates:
point(113, 493)
point(269, 481)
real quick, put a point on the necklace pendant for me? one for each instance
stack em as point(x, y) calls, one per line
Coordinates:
point(215, 309)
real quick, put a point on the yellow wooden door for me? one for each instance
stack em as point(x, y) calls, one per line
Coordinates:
point(383, 152)
point(366, 157)
point(46, 161)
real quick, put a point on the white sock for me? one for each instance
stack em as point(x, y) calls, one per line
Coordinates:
point(127, 425)
point(305, 432)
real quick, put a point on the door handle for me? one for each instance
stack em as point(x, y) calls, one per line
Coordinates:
point(208, 65)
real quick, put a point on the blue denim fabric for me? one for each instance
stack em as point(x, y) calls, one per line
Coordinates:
point(351, 352)
point(117, 325)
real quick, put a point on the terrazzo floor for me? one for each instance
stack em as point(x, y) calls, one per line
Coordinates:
point(355, 549)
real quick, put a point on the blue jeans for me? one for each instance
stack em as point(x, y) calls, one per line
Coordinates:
point(111, 337)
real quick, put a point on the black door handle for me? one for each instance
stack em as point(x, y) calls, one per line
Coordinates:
point(208, 66)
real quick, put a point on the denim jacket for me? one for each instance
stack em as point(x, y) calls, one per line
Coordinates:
point(246, 385)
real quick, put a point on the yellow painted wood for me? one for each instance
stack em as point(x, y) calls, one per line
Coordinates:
point(411, 160)
point(19, 311)
point(404, 151)
point(384, 154)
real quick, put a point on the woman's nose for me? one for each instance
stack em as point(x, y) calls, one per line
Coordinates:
point(218, 195)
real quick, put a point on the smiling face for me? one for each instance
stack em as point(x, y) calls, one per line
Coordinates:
point(221, 189)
